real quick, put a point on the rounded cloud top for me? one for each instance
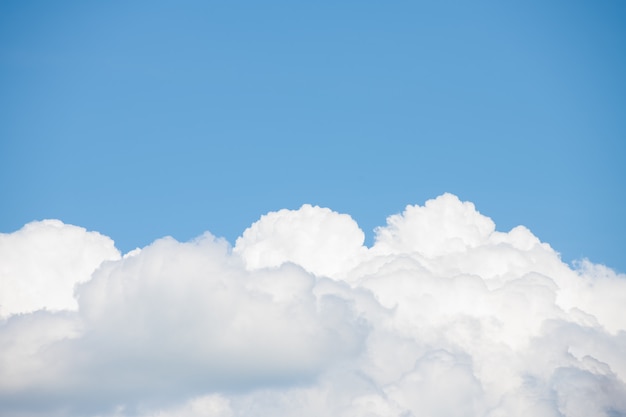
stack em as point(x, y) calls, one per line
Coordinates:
point(443, 315)
point(320, 240)
point(41, 263)
point(442, 226)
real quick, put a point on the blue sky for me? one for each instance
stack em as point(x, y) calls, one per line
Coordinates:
point(146, 119)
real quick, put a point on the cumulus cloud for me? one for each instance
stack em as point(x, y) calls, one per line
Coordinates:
point(320, 240)
point(41, 263)
point(443, 315)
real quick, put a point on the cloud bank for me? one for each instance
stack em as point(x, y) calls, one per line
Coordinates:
point(442, 316)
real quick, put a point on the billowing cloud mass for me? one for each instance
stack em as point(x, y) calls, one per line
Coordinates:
point(442, 316)
point(41, 263)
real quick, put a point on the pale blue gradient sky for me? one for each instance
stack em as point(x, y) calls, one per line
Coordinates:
point(149, 119)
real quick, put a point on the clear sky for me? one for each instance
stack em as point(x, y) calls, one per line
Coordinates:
point(145, 119)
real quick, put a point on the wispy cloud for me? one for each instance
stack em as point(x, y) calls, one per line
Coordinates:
point(443, 315)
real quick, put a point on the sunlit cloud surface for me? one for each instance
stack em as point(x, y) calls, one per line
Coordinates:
point(443, 315)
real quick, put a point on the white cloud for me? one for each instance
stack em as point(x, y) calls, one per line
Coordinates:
point(41, 263)
point(212, 405)
point(443, 225)
point(179, 318)
point(320, 240)
point(443, 315)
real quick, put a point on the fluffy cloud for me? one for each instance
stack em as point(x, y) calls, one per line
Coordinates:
point(178, 318)
point(41, 263)
point(320, 240)
point(443, 315)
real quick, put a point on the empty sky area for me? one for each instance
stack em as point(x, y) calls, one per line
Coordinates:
point(147, 119)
